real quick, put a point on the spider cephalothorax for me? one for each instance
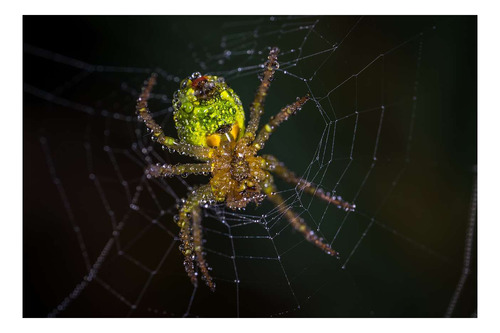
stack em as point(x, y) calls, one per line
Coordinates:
point(238, 176)
point(210, 122)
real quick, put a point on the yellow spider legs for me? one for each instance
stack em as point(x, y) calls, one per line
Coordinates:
point(257, 107)
point(266, 130)
point(189, 220)
point(240, 175)
point(198, 249)
point(199, 152)
point(168, 170)
point(296, 221)
point(279, 169)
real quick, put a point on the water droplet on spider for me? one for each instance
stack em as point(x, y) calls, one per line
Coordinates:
point(184, 84)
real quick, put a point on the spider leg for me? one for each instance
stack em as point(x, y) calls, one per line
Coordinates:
point(281, 171)
point(198, 249)
point(199, 152)
point(296, 221)
point(189, 220)
point(168, 170)
point(275, 121)
point(257, 107)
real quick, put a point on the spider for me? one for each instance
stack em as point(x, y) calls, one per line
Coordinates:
point(210, 123)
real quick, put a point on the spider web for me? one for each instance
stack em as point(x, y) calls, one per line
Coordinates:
point(383, 130)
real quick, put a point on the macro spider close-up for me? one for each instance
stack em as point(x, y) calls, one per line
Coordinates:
point(210, 122)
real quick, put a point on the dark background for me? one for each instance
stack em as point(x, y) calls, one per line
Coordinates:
point(411, 272)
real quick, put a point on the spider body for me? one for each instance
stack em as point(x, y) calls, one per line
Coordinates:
point(210, 122)
point(238, 175)
point(203, 107)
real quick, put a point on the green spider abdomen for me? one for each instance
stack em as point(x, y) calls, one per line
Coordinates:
point(203, 105)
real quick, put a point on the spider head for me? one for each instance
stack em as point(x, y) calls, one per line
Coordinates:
point(207, 110)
